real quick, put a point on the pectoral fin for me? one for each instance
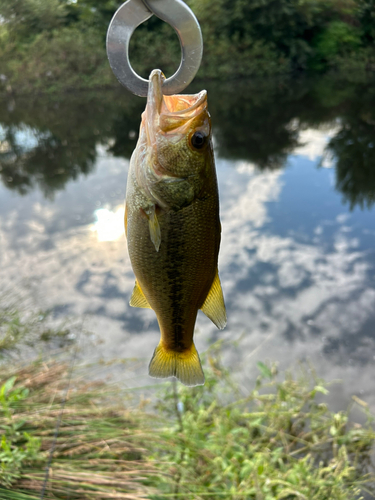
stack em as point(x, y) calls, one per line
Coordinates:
point(154, 227)
point(214, 307)
point(138, 299)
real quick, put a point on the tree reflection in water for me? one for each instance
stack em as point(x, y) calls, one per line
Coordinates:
point(47, 141)
point(353, 148)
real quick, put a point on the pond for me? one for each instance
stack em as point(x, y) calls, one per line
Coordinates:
point(296, 172)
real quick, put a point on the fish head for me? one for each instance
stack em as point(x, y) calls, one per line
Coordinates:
point(177, 132)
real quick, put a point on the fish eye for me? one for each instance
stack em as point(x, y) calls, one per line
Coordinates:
point(198, 140)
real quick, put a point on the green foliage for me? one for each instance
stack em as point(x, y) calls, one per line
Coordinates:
point(10, 395)
point(338, 39)
point(16, 448)
point(276, 26)
point(219, 441)
point(26, 18)
point(72, 57)
point(366, 16)
point(277, 441)
point(59, 44)
point(153, 44)
point(94, 13)
point(265, 37)
point(100, 446)
point(232, 46)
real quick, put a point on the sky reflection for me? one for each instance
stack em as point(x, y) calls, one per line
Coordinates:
point(109, 224)
point(297, 265)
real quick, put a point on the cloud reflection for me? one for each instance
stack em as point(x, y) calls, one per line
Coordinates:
point(291, 297)
point(313, 143)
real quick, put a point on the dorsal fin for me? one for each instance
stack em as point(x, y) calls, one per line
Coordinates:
point(138, 298)
point(214, 307)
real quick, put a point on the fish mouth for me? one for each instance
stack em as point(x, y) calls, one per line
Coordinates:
point(172, 114)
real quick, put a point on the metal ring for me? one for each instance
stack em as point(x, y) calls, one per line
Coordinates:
point(133, 13)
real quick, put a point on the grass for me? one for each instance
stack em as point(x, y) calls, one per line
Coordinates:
point(277, 440)
point(100, 447)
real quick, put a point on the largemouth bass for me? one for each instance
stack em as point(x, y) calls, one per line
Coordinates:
point(173, 228)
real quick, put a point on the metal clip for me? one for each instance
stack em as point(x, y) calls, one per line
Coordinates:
point(174, 12)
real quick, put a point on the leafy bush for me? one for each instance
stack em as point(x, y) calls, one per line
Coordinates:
point(338, 39)
point(366, 16)
point(277, 441)
point(26, 18)
point(65, 58)
point(16, 448)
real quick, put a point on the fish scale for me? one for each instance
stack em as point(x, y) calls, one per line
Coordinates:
point(174, 233)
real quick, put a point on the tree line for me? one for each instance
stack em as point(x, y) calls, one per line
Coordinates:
point(60, 44)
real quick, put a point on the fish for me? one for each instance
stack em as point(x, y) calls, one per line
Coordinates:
point(173, 228)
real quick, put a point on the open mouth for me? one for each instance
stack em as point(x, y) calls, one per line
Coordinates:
point(175, 113)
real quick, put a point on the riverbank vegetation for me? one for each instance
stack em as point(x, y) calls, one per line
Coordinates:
point(60, 44)
point(274, 440)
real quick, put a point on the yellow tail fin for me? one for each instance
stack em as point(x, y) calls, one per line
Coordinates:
point(185, 366)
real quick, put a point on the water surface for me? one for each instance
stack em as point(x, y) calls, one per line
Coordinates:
point(296, 172)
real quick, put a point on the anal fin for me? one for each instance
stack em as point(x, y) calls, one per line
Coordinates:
point(213, 306)
point(138, 298)
point(185, 365)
